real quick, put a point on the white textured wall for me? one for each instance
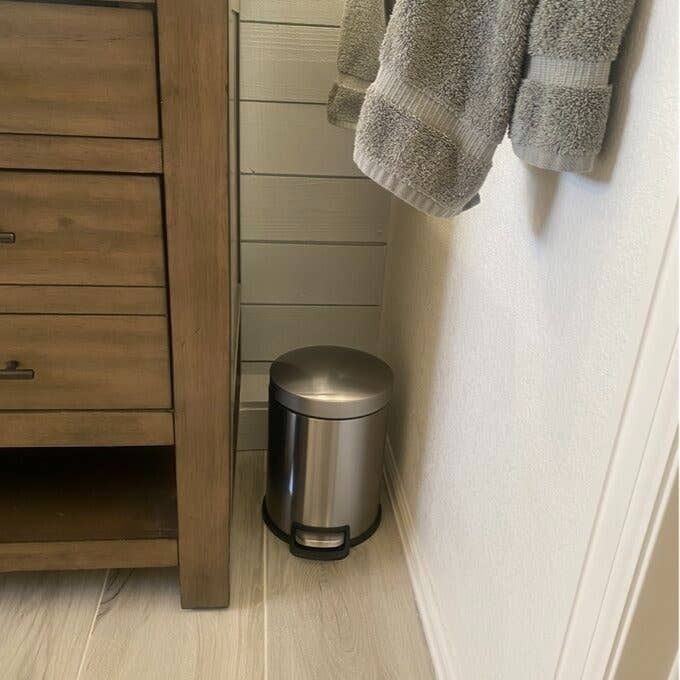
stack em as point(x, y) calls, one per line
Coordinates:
point(513, 331)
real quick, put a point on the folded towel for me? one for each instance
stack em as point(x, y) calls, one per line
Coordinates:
point(361, 33)
point(563, 101)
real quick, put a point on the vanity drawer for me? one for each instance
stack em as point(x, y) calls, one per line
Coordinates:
point(80, 229)
point(77, 70)
point(84, 362)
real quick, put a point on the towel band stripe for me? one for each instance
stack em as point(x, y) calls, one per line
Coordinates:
point(422, 107)
point(568, 72)
point(352, 82)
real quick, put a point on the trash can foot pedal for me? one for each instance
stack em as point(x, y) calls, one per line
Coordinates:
point(312, 553)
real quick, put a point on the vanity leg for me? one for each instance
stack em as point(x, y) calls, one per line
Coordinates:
point(192, 39)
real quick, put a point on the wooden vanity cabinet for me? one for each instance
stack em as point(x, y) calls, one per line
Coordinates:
point(117, 289)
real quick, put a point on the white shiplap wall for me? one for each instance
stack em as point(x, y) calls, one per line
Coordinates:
point(313, 230)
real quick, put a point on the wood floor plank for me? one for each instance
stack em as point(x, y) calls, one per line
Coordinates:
point(45, 621)
point(355, 618)
point(141, 632)
point(336, 620)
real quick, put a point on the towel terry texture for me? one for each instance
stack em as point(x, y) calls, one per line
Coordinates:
point(450, 77)
point(563, 102)
point(361, 33)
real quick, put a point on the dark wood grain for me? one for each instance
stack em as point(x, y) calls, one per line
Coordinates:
point(22, 299)
point(86, 428)
point(49, 152)
point(109, 554)
point(86, 362)
point(193, 44)
point(234, 181)
point(87, 494)
point(77, 70)
point(81, 229)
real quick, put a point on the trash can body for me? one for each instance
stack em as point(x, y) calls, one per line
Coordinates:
point(324, 473)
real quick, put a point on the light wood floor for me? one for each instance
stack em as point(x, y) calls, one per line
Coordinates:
point(289, 618)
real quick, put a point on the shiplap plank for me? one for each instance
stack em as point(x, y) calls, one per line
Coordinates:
point(284, 273)
point(287, 63)
point(324, 12)
point(252, 428)
point(271, 330)
point(294, 139)
point(313, 209)
point(254, 383)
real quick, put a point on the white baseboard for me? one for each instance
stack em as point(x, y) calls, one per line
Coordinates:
point(430, 615)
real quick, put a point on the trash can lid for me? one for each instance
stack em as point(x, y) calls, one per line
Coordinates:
point(330, 382)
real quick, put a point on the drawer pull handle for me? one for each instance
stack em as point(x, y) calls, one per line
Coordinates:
point(13, 372)
point(7, 238)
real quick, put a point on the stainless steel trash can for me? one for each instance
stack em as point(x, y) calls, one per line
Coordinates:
point(327, 422)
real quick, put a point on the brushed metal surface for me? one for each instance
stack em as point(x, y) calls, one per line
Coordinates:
point(324, 473)
point(331, 382)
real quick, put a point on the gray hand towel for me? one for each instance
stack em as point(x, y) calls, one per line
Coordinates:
point(446, 88)
point(442, 99)
point(563, 102)
point(361, 33)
